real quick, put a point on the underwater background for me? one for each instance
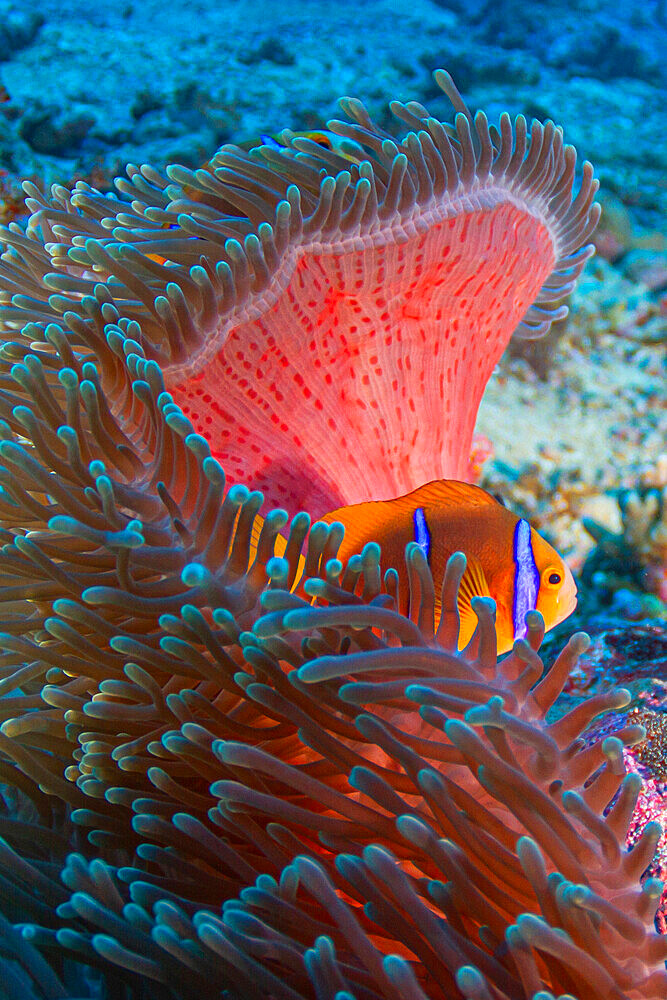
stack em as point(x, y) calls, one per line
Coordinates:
point(571, 433)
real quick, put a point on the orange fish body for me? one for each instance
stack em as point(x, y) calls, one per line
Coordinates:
point(506, 558)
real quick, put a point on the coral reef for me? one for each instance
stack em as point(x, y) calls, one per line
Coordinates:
point(12, 198)
point(636, 658)
point(213, 785)
point(638, 552)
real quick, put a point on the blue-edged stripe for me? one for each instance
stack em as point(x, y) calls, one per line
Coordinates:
point(526, 578)
point(422, 534)
point(268, 140)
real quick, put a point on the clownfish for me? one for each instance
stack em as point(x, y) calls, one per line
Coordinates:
point(348, 149)
point(507, 559)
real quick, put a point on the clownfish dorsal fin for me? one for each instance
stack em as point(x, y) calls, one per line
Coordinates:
point(443, 493)
point(362, 521)
point(473, 584)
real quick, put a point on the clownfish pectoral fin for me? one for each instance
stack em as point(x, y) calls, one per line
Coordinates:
point(473, 584)
point(473, 581)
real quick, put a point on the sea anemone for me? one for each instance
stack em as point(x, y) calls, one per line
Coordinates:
point(363, 299)
point(287, 799)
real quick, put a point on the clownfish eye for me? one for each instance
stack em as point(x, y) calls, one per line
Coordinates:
point(554, 578)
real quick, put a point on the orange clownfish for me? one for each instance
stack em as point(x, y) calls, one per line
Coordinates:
point(348, 149)
point(507, 559)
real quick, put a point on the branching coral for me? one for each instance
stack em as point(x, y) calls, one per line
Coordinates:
point(288, 800)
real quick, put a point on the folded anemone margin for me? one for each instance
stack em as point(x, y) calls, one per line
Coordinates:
point(327, 319)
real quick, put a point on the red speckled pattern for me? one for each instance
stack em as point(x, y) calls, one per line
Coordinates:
point(363, 380)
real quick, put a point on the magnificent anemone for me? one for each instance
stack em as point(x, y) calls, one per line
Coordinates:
point(358, 296)
point(268, 792)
